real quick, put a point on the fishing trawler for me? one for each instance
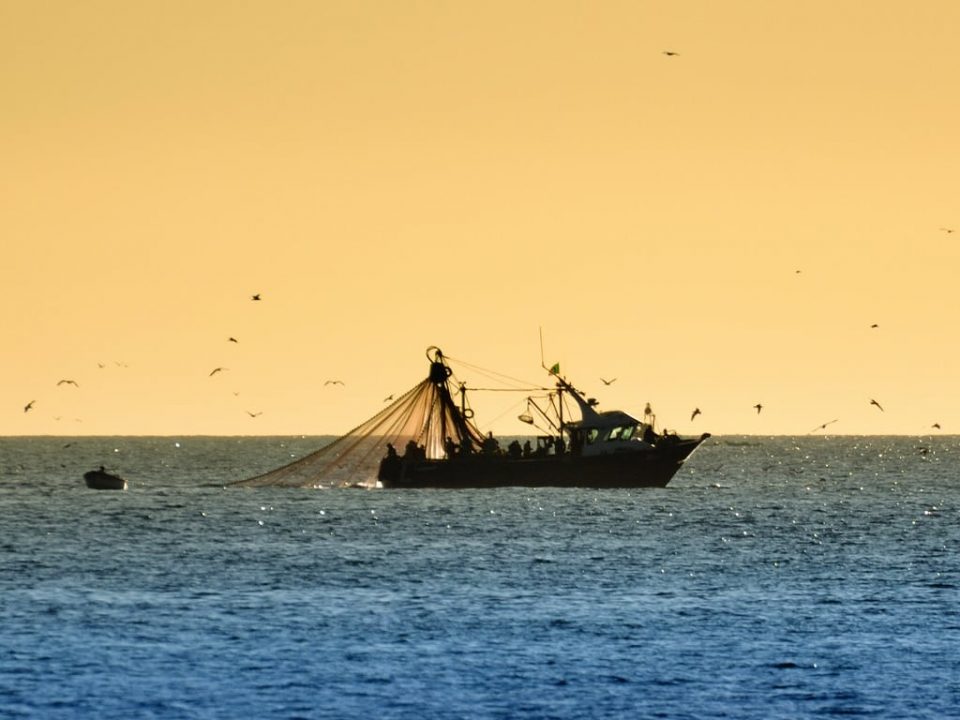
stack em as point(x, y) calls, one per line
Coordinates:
point(426, 439)
point(607, 449)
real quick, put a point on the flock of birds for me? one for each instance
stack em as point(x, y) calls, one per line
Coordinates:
point(693, 415)
point(823, 426)
point(257, 297)
point(758, 406)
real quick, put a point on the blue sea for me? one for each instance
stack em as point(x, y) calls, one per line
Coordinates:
point(773, 578)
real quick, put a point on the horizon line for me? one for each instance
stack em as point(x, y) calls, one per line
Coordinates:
point(713, 436)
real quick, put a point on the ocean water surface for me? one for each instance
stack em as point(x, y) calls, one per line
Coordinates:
point(774, 577)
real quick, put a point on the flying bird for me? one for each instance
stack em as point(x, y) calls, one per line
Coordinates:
point(696, 411)
point(29, 406)
point(874, 326)
point(255, 297)
point(232, 339)
point(759, 407)
point(69, 382)
point(253, 415)
point(824, 426)
point(936, 426)
point(608, 382)
point(388, 398)
point(216, 370)
point(333, 382)
point(947, 230)
point(874, 402)
point(670, 53)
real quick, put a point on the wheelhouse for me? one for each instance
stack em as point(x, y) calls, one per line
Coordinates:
point(606, 432)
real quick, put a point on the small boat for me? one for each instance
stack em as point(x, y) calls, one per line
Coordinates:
point(102, 480)
point(442, 447)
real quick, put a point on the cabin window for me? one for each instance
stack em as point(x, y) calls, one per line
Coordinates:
point(592, 436)
point(622, 432)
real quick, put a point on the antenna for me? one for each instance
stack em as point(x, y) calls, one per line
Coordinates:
point(543, 364)
point(561, 384)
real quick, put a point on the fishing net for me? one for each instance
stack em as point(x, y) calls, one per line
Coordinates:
point(424, 420)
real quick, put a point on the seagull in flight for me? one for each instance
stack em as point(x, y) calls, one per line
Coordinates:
point(824, 426)
point(874, 326)
point(388, 398)
point(334, 382)
point(874, 402)
point(608, 382)
point(256, 414)
point(29, 406)
point(255, 297)
point(936, 426)
point(216, 370)
point(696, 411)
point(670, 53)
point(69, 382)
point(232, 339)
point(947, 230)
point(759, 407)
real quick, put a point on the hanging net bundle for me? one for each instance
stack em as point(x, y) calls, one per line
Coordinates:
point(424, 420)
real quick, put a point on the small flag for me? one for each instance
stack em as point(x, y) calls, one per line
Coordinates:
point(555, 370)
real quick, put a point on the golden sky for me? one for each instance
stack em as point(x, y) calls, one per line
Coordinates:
point(394, 175)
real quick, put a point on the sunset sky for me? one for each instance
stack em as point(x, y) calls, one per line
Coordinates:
point(714, 229)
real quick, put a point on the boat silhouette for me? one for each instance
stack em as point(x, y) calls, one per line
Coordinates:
point(100, 479)
point(609, 449)
point(426, 439)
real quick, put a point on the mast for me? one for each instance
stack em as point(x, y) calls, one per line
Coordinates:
point(560, 407)
point(440, 374)
point(561, 384)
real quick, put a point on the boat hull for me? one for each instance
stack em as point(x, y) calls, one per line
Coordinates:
point(99, 480)
point(649, 468)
